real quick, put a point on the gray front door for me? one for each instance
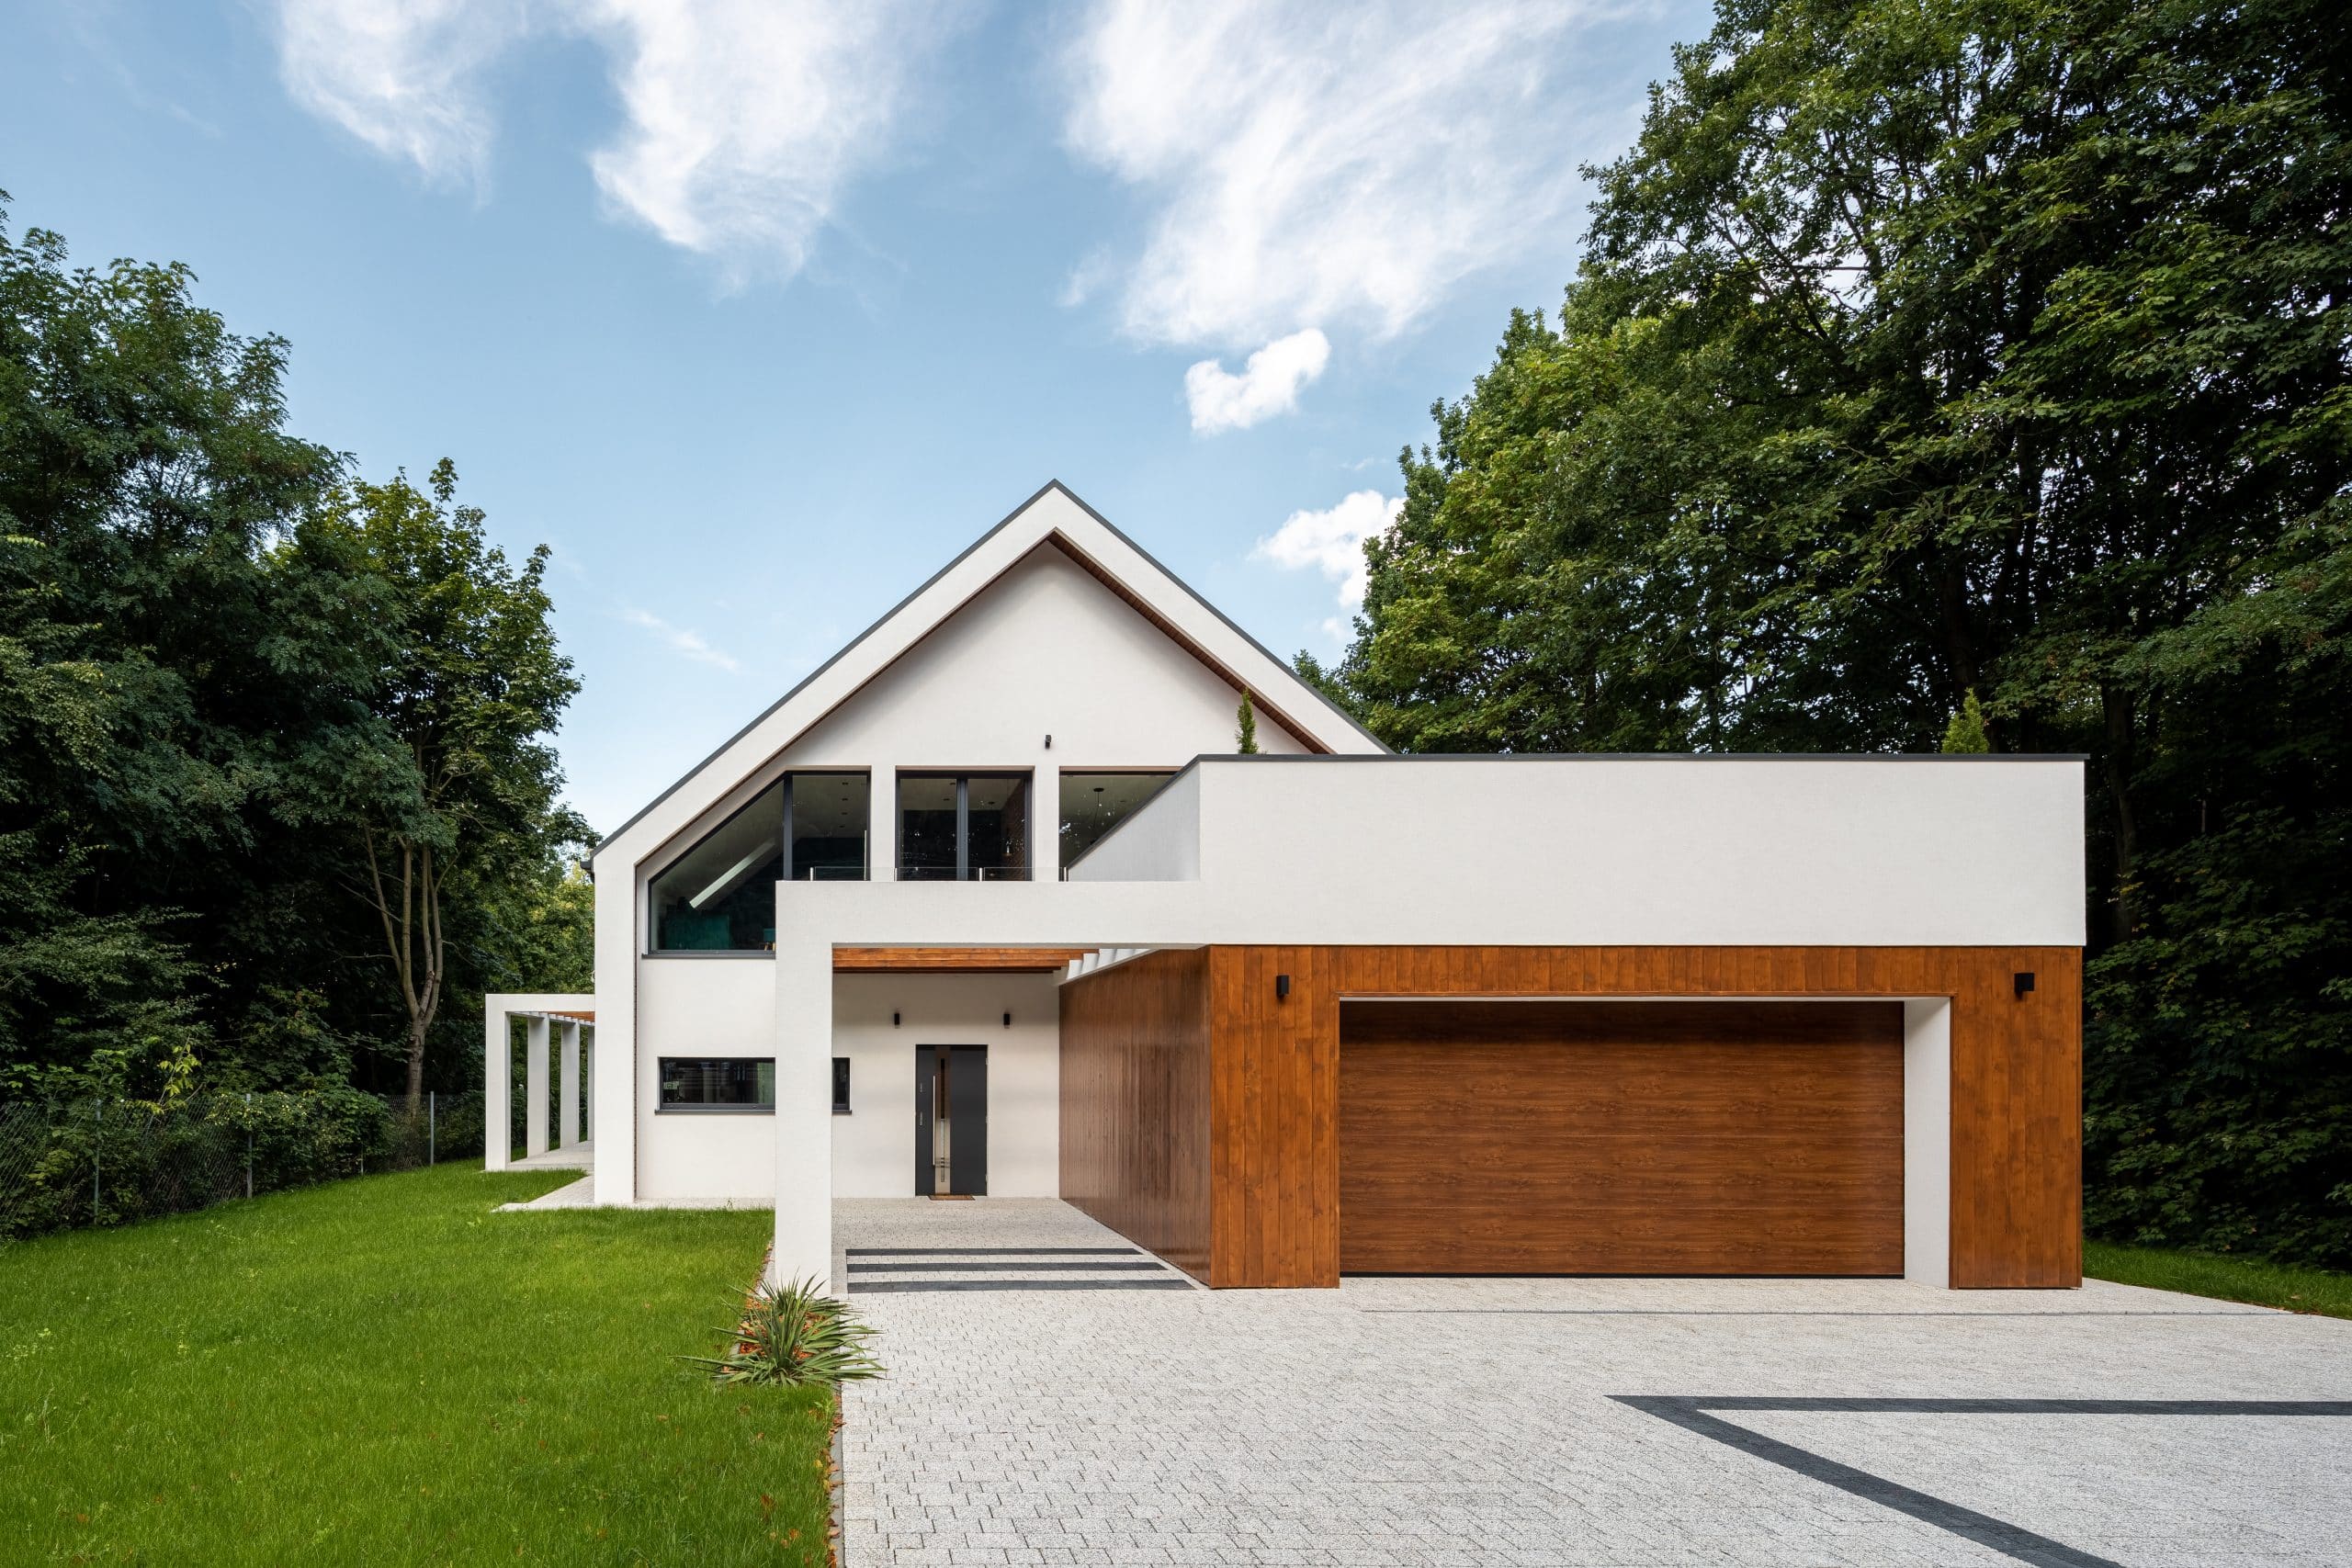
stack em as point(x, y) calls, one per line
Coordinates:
point(952, 1121)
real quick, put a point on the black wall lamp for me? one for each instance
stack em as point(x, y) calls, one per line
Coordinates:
point(894, 1021)
point(1282, 988)
point(2023, 980)
point(1008, 1020)
point(1049, 742)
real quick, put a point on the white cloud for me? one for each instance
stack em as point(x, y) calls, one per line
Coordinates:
point(744, 119)
point(402, 75)
point(690, 643)
point(1331, 541)
point(747, 118)
point(1269, 384)
point(1320, 164)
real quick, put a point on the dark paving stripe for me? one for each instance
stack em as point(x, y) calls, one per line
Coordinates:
point(989, 1251)
point(1790, 1312)
point(1162, 1283)
point(931, 1266)
point(1999, 1535)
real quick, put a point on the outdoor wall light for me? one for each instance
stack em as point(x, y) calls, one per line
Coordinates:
point(1282, 988)
point(894, 1021)
point(1008, 1020)
point(1049, 742)
point(2023, 979)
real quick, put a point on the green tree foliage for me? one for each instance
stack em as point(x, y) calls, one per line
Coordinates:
point(471, 687)
point(1991, 346)
point(1964, 736)
point(200, 653)
point(1245, 728)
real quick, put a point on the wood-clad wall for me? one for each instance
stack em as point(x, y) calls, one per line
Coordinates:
point(1275, 1117)
point(1136, 1102)
point(2015, 1081)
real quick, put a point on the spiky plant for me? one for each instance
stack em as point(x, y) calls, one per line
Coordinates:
point(794, 1333)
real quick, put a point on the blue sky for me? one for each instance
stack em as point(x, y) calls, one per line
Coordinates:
point(758, 312)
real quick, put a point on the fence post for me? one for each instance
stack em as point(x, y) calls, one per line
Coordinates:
point(249, 1142)
point(432, 1122)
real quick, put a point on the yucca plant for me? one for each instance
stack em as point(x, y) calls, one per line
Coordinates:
point(794, 1333)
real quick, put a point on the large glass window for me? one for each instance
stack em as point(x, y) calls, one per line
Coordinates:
point(828, 814)
point(719, 897)
point(717, 1083)
point(1092, 805)
point(963, 827)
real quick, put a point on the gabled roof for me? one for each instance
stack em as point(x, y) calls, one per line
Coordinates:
point(1056, 518)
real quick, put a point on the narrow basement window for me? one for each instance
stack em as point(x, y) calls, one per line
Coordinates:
point(841, 1086)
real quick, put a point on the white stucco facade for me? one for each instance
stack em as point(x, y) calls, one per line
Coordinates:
point(1019, 658)
point(1056, 646)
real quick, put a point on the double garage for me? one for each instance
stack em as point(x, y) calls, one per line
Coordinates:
point(1285, 1116)
point(1620, 1138)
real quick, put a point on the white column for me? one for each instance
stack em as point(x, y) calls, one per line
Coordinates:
point(497, 1064)
point(567, 1131)
point(804, 1111)
point(535, 1086)
point(1926, 1141)
point(882, 826)
point(1045, 821)
point(621, 935)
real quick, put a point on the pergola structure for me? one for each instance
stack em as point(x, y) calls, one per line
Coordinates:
point(555, 1019)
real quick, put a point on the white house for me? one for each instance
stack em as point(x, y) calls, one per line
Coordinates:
point(989, 906)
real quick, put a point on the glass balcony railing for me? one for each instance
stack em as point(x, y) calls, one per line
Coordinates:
point(968, 873)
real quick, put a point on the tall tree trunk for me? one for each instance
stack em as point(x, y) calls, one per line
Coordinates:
point(2118, 711)
point(413, 940)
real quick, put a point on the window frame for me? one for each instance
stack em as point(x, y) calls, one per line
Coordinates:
point(650, 947)
point(1139, 770)
point(663, 1108)
point(841, 1086)
point(962, 778)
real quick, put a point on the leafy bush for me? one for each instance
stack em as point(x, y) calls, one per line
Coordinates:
point(103, 1162)
point(794, 1333)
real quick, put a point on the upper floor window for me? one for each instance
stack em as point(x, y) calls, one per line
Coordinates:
point(1092, 805)
point(964, 827)
point(719, 897)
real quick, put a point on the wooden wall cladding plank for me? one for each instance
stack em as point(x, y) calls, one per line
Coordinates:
point(1135, 1103)
point(1506, 1137)
point(2016, 1071)
point(1275, 1110)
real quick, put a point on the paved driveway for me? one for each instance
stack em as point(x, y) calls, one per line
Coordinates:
point(1565, 1421)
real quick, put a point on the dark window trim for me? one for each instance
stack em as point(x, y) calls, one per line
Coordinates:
point(964, 777)
point(661, 1109)
point(783, 783)
point(1061, 871)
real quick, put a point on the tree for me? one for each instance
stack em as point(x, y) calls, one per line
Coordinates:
point(1985, 346)
point(181, 664)
point(1245, 732)
point(1964, 736)
point(474, 687)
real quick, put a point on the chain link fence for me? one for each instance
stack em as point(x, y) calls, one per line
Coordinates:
point(68, 1164)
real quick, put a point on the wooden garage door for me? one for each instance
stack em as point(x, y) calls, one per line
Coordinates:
point(1620, 1138)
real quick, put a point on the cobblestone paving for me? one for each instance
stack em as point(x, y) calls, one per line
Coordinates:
point(1470, 1421)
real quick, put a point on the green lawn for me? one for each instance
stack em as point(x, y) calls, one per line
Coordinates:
point(2226, 1279)
point(383, 1371)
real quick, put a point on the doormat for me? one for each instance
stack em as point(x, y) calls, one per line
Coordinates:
point(951, 1197)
